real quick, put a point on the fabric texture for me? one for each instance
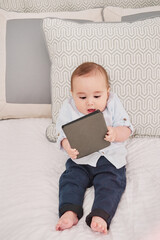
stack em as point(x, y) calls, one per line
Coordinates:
point(129, 52)
point(25, 63)
point(117, 14)
point(13, 5)
point(73, 5)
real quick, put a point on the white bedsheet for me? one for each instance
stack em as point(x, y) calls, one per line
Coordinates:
point(30, 167)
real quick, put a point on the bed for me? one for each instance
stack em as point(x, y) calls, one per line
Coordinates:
point(30, 161)
point(30, 169)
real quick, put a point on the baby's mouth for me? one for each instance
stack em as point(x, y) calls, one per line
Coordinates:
point(91, 110)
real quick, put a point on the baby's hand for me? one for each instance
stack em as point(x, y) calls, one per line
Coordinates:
point(111, 134)
point(72, 153)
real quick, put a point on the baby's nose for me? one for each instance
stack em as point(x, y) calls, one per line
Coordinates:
point(90, 102)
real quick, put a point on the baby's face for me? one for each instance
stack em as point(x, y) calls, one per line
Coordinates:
point(90, 92)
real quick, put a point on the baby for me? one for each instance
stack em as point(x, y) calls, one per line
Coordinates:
point(105, 169)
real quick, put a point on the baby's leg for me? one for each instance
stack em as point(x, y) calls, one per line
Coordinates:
point(67, 220)
point(72, 186)
point(109, 185)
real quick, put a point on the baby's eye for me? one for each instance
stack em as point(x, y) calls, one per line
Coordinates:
point(97, 96)
point(82, 97)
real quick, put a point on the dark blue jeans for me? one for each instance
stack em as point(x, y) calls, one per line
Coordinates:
point(108, 181)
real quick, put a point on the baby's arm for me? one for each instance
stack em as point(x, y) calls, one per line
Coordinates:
point(65, 116)
point(118, 134)
point(71, 152)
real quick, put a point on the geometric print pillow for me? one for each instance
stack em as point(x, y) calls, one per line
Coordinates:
point(74, 5)
point(61, 5)
point(13, 5)
point(130, 53)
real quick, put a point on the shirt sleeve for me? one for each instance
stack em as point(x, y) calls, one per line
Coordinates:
point(120, 116)
point(63, 118)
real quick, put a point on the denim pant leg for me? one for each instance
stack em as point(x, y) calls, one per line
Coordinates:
point(109, 184)
point(72, 186)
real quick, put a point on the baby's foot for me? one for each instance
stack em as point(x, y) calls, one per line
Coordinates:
point(98, 224)
point(67, 220)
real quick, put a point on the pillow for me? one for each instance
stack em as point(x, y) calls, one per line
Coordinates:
point(74, 5)
point(116, 14)
point(61, 5)
point(130, 53)
point(12, 5)
point(25, 63)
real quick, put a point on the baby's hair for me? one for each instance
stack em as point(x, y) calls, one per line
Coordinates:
point(86, 68)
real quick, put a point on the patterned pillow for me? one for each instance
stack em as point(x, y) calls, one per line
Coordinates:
point(25, 64)
point(61, 5)
point(13, 5)
point(130, 52)
point(74, 5)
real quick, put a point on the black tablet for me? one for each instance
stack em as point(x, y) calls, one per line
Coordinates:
point(86, 134)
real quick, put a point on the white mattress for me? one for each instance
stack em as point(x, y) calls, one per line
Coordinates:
point(30, 167)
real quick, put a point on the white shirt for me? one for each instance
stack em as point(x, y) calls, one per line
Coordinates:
point(114, 115)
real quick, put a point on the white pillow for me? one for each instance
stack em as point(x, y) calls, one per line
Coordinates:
point(117, 14)
point(130, 53)
point(75, 5)
point(25, 64)
point(61, 5)
point(13, 5)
